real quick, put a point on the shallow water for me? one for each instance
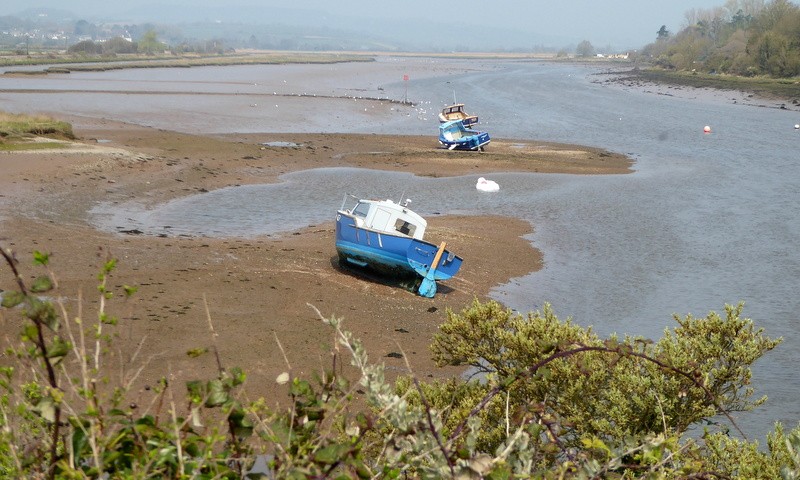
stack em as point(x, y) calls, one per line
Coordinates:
point(707, 219)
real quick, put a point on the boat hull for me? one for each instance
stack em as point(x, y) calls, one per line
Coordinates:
point(471, 142)
point(455, 136)
point(394, 256)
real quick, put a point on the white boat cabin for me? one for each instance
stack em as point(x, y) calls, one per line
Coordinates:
point(389, 217)
point(456, 112)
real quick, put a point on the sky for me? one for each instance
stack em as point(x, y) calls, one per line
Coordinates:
point(621, 23)
point(634, 21)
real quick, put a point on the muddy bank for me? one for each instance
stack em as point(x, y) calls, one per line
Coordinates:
point(260, 294)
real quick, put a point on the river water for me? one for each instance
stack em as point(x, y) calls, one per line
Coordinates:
point(706, 219)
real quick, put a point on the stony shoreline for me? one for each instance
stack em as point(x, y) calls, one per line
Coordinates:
point(633, 80)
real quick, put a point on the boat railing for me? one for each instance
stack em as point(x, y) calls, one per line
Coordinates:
point(349, 199)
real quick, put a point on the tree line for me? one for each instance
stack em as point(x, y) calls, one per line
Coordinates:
point(743, 37)
point(148, 44)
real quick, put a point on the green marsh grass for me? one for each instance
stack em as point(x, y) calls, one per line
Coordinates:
point(18, 129)
point(24, 147)
point(121, 61)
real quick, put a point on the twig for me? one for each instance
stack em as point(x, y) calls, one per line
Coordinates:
point(213, 336)
point(51, 374)
point(428, 416)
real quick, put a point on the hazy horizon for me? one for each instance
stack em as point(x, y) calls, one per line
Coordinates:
point(509, 24)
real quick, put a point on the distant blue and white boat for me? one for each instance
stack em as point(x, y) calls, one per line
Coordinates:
point(387, 237)
point(455, 136)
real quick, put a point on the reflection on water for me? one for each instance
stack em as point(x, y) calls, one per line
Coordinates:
point(707, 219)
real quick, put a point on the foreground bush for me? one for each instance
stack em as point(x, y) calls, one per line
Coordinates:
point(553, 401)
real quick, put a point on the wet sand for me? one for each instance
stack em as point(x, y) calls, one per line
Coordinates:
point(260, 294)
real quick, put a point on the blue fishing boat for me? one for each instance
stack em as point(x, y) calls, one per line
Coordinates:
point(387, 237)
point(455, 136)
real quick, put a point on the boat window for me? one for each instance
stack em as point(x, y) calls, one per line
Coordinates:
point(361, 210)
point(404, 227)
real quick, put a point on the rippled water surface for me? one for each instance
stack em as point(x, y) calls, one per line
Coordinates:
point(707, 219)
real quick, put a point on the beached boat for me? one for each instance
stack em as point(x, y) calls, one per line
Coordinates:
point(455, 136)
point(456, 112)
point(387, 237)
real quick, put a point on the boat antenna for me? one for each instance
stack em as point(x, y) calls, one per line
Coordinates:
point(454, 97)
point(402, 196)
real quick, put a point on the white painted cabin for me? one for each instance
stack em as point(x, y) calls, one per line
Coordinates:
point(388, 217)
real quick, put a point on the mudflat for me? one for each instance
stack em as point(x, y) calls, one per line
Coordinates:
point(261, 295)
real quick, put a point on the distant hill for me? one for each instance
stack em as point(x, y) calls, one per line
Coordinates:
point(293, 27)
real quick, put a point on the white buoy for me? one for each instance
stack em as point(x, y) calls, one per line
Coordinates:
point(487, 185)
point(706, 129)
point(796, 126)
